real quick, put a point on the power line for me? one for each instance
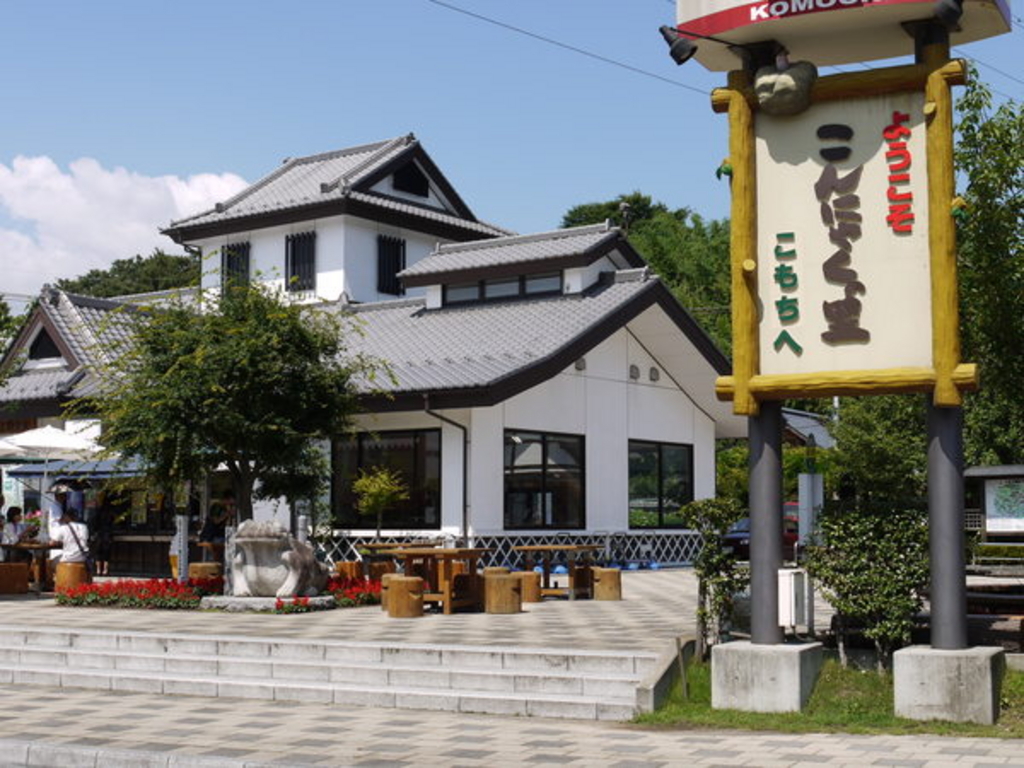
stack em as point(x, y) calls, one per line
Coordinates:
point(566, 46)
point(994, 69)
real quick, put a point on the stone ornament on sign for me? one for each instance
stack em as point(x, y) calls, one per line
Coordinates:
point(785, 90)
point(270, 562)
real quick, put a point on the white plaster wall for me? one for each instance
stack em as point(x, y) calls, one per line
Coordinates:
point(578, 279)
point(361, 256)
point(608, 409)
point(346, 255)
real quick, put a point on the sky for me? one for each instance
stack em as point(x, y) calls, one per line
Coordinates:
point(117, 117)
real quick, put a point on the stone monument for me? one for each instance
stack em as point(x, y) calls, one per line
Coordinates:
point(270, 562)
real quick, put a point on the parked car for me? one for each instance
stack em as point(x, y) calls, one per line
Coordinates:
point(738, 537)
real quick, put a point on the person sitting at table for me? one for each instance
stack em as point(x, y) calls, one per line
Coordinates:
point(14, 532)
point(71, 537)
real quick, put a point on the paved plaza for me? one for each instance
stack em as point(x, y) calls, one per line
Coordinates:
point(70, 727)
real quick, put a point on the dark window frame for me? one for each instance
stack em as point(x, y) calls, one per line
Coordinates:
point(391, 255)
point(235, 264)
point(481, 290)
point(661, 445)
point(545, 436)
point(359, 522)
point(300, 262)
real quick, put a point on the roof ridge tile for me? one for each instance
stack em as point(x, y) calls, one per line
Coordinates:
point(553, 234)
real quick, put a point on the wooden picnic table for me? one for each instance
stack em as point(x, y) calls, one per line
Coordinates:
point(442, 583)
point(578, 564)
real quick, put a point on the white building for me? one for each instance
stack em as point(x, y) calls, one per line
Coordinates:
point(544, 386)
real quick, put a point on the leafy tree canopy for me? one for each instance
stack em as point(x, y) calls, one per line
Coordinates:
point(251, 383)
point(990, 158)
point(689, 253)
point(157, 272)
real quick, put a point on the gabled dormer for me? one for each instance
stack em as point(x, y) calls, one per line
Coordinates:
point(339, 222)
point(562, 262)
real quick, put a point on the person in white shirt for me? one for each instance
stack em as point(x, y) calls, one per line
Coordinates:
point(72, 537)
point(14, 532)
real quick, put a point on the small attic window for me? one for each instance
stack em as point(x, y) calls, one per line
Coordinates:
point(43, 348)
point(409, 178)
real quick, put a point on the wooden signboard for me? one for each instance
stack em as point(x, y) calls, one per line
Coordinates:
point(843, 241)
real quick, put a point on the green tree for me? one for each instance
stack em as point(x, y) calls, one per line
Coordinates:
point(871, 562)
point(719, 577)
point(157, 272)
point(690, 254)
point(377, 490)
point(990, 159)
point(251, 383)
point(880, 447)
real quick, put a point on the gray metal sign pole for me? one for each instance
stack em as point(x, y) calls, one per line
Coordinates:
point(946, 528)
point(765, 440)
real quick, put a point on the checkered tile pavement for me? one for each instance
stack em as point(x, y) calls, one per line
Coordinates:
point(106, 730)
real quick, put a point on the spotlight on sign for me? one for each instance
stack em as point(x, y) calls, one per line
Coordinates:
point(949, 12)
point(679, 48)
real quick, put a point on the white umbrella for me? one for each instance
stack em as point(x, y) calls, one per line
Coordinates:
point(9, 449)
point(50, 443)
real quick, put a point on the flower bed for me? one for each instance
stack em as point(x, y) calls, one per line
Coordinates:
point(141, 593)
point(352, 592)
point(171, 594)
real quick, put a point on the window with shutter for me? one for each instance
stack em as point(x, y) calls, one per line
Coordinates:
point(390, 261)
point(234, 265)
point(300, 262)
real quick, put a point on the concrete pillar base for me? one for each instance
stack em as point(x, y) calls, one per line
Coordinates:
point(764, 678)
point(962, 686)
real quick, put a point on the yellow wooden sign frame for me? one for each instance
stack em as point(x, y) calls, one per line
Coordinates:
point(948, 377)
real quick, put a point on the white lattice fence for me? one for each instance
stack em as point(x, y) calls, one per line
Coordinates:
point(621, 548)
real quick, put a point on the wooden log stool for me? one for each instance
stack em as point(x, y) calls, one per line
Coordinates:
point(377, 570)
point(71, 575)
point(13, 578)
point(385, 580)
point(405, 597)
point(496, 570)
point(349, 569)
point(607, 584)
point(203, 570)
point(502, 593)
point(529, 586)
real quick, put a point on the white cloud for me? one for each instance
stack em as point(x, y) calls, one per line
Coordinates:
point(68, 222)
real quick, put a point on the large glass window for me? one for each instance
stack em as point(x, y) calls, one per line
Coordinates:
point(660, 483)
point(544, 481)
point(415, 454)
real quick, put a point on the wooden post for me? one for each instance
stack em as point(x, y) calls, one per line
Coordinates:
point(529, 586)
point(405, 597)
point(607, 584)
point(502, 593)
point(71, 575)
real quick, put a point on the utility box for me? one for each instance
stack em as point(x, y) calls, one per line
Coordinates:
point(792, 597)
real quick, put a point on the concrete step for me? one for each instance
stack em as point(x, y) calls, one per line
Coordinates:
point(537, 704)
point(499, 680)
point(462, 678)
point(278, 649)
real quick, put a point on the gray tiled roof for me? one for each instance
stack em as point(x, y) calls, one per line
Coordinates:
point(331, 176)
point(520, 249)
point(475, 345)
point(91, 328)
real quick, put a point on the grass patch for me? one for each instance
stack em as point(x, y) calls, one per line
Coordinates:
point(844, 701)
